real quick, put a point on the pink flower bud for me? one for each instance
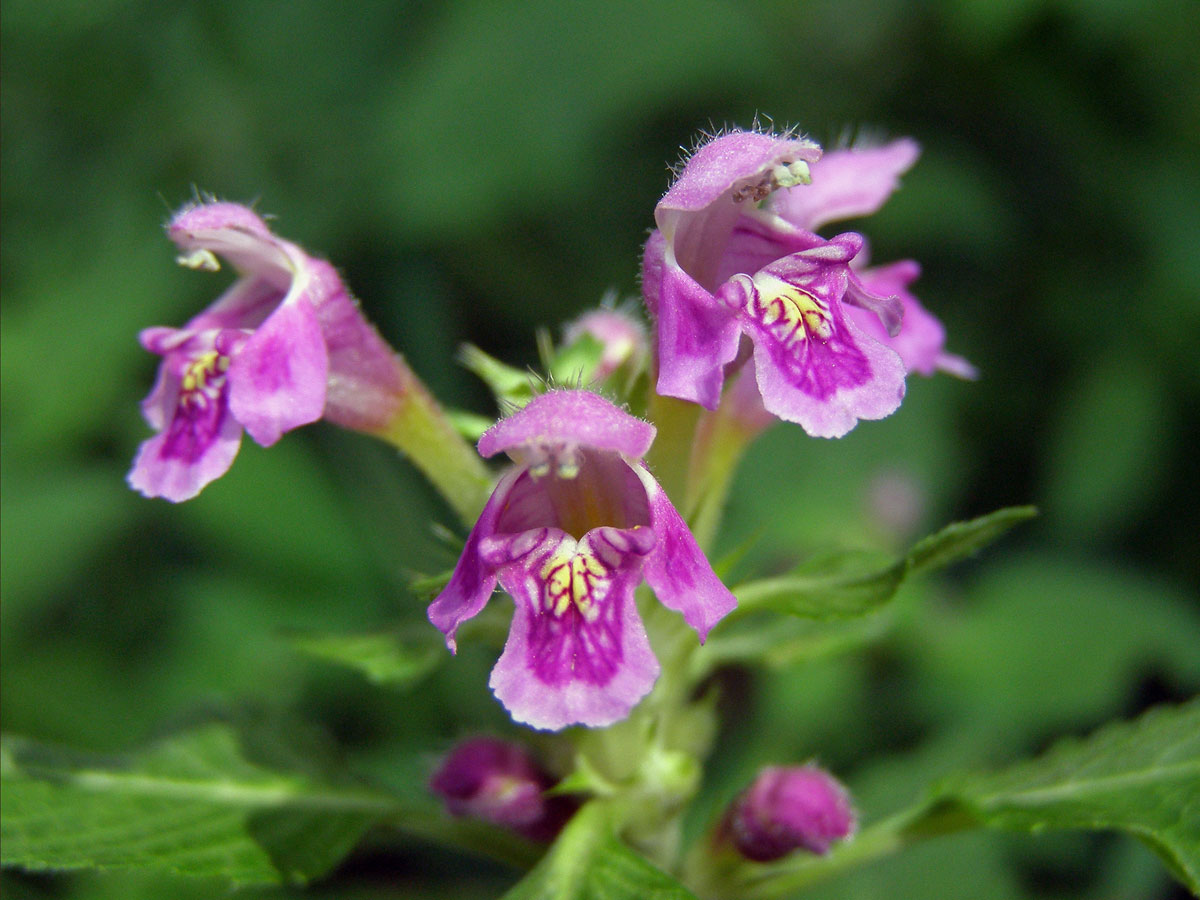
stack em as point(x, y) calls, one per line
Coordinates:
point(499, 782)
point(789, 808)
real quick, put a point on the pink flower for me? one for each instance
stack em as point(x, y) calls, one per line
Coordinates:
point(570, 531)
point(853, 183)
point(282, 347)
point(735, 257)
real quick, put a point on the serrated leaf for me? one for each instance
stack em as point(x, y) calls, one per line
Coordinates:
point(1141, 777)
point(961, 539)
point(852, 584)
point(588, 862)
point(192, 805)
point(384, 658)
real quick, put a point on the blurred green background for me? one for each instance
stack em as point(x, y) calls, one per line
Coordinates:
point(476, 169)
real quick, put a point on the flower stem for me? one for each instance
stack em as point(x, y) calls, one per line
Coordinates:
point(721, 442)
point(420, 429)
point(668, 457)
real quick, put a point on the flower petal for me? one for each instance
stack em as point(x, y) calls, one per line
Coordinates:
point(677, 569)
point(198, 445)
point(578, 418)
point(367, 379)
point(235, 233)
point(577, 652)
point(699, 210)
point(473, 579)
point(847, 184)
point(813, 365)
point(277, 379)
point(922, 338)
point(697, 337)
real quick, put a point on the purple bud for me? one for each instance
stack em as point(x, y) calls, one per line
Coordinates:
point(499, 782)
point(789, 808)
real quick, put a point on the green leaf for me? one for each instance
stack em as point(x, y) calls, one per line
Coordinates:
point(852, 584)
point(384, 658)
point(838, 586)
point(192, 805)
point(961, 539)
point(1141, 777)
point(587, 862)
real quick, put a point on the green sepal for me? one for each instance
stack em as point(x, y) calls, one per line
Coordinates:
point(509, 385)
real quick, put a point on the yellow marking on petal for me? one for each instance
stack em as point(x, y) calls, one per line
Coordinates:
point(570, 579)
point(203, 379)
point(790, 313)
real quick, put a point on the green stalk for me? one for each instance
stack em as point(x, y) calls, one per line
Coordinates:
point(721, 441)
point(420, 429)
point(672, 449)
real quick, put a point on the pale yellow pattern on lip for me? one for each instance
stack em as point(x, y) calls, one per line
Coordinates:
point(203, 379)
point(788, 312)
point(572, 577)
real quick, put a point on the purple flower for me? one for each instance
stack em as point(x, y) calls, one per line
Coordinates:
point(789, 808)
point(735, 254)
point(721, 265)
point(284, 345)
point(856, 182)
point(570, 532)
point(499, 782)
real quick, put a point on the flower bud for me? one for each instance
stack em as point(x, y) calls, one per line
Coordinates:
point(789, 808)
point(621, 336)
point(499, 782)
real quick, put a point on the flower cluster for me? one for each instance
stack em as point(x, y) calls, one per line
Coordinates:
point(735, 271)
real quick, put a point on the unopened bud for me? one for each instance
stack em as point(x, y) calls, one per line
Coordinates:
point(789, 808)
point(621, 335)
point(499, 782)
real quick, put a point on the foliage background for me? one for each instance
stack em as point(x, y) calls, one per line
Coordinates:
point(478, 168)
